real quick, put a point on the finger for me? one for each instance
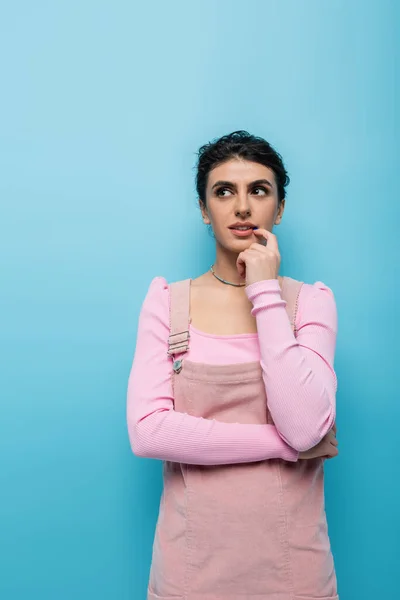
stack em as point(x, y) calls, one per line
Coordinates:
point(260, 250)
point(334, 428)
point(257, 247)
point(241, 265)
point(271, 239)
point(332, 440)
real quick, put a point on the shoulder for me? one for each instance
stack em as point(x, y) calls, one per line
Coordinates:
point(309, 290)
point(316, 302)
point(156, 302)
point(317, 290)
point(158, 289)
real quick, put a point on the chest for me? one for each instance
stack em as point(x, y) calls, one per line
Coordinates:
point(227, 313)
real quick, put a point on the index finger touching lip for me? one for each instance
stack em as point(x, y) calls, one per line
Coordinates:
point(265, 237)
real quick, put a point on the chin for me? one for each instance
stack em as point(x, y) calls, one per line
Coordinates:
point(238, 246)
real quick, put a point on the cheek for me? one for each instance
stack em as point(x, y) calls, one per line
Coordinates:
point(218, 215)
point(268, 213)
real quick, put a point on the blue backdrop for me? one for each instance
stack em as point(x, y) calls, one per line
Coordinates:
point(103, 105)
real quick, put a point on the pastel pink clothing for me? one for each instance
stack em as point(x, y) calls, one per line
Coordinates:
point(298, 375)
point(247, 523)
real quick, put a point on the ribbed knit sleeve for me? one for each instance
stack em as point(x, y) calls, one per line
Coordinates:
point(298, 372)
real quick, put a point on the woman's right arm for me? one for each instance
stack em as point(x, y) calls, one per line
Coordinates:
point(156, 430)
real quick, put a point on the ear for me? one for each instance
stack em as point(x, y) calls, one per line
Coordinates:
point(280, 212)
point(204, 213)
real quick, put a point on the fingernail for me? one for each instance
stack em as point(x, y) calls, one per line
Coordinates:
point(255, 228)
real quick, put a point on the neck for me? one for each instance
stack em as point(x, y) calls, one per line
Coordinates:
point(225, 266)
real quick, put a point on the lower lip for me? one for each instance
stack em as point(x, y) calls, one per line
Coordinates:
point(241, 233)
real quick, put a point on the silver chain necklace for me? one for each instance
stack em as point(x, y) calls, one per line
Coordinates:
point(224, 280)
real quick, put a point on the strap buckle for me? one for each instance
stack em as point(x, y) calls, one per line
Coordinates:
point(175, 346)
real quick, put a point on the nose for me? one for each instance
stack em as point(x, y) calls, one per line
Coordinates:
point(242, 208)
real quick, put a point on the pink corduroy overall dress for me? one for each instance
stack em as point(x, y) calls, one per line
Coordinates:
point(250, 531)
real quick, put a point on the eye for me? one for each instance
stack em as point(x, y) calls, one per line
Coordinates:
point(260, 191)
point(223, 192)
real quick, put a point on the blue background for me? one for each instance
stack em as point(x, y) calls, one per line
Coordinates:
point(102, 108)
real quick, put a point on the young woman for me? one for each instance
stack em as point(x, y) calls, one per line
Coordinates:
point(233, 387)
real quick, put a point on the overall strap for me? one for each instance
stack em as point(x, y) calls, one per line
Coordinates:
point(290, 292)
point(179, 317)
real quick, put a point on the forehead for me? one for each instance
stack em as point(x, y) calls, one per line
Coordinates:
point(240, 171)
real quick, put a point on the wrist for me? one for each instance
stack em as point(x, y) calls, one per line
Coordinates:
point(271, 277)
point(255, 288)
point(264, 295)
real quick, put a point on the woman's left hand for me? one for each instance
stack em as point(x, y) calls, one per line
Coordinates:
point(260, 261)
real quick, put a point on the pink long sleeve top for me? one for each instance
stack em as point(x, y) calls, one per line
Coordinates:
point(298, 374)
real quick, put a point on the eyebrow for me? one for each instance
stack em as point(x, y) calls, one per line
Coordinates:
point(252, 184)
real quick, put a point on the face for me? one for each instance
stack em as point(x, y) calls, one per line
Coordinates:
point(241, 194)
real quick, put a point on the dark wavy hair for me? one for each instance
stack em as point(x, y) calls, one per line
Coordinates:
point(239, 144)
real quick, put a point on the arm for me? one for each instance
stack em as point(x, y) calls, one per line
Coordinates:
point(156, 430)
point(298, 372)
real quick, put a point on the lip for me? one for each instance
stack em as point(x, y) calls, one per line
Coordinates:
point(240, 233)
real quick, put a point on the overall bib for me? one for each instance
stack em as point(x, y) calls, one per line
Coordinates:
point(253, 531)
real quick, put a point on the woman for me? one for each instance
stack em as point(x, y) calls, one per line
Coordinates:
point(233, 387)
